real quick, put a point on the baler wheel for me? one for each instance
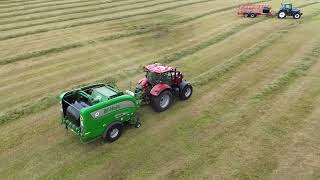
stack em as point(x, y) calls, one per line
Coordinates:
point(113, 133)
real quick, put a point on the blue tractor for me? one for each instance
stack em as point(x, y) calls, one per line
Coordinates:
point(289, 10)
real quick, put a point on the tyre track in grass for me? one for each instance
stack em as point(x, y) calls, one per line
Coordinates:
point(76, 24)
point(69, 12)
point(176, 56)
point(99, 153)
point(103, 39)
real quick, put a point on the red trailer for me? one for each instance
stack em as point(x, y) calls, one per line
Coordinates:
point(254, 10)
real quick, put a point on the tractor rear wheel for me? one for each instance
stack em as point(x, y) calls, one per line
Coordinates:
point(297, 16)
point(162, 102)
point(186, 92)
point(113, 133)
point(282, 15)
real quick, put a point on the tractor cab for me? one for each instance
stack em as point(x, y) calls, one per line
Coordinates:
point(288, 10)
point(157, 73)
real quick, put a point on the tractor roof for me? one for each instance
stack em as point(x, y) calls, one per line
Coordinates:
point(158, 68)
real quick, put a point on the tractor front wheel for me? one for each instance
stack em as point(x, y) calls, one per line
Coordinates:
point(282, 15)
point(186, 92)
point(297, 16)
point(162, 102)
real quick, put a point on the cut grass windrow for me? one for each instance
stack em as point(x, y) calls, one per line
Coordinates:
point(291, 75)
point(218, 71)
point(9, 4)
point(103, 39)
point(92, 15)
point(94, 4)
point(71, 25)
point(50, 3)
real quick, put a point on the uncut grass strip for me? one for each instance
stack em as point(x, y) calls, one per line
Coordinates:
point(76, 24)
point(290, 76)
point(64, 13)
point(93, 15)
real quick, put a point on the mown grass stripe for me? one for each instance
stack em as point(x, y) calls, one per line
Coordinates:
point(290, 76)
point(76, 24)
point(101, 39)
point(23, 13)
point(92, 15)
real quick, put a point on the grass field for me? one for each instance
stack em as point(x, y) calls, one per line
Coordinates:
point(254, 113)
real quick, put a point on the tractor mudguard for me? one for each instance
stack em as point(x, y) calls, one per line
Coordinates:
point(183, 84)
point(110, 125)
point(159, 88)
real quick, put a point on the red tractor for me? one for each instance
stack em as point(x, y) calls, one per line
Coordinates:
point(161, 85)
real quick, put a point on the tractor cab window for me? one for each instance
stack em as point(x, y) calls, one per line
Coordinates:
point(288, 6)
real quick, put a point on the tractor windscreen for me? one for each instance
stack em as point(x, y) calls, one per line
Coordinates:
point(156, 78)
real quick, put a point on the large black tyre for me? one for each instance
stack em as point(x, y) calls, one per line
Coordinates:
point(113, 133)
point(186, 92)
point(162, 102)
point(282, 15)
point(297, 16)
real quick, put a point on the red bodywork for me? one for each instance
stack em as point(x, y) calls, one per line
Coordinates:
point(144, 83)
point(256, 9)
point(176, 79)
point(157, 89)
point(158, 68)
